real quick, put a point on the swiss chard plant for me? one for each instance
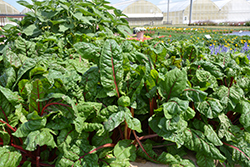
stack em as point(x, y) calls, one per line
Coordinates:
point(75, 92)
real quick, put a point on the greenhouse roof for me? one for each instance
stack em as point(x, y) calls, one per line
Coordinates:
point(221, 3)
point(174, 6)
point(123, 5)
point(6, 8)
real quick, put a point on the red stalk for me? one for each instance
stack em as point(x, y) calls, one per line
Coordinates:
point(231, 81)
point(236, 149)
point(148, 136)
point(225, 80)
point(98, 148)
point(55, 103)
point(37, 161)
point(113, 69)
point(230, 114)
point(8, 125)
point(139, 142)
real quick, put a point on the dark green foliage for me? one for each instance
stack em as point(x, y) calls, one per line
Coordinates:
point(74, 94)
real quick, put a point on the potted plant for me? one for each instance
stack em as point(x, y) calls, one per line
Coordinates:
point(140, 32)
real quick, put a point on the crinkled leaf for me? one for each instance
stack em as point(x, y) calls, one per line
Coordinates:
point(8, 101)
point(240, 152)
point(12, 59)
point(174, 83)
point(204, 160)
point(244, 108)
point(9, 156)
point(174, 106)
point(229, 97)
point(204, 79)
point(133, 123)
point(88, 51)
point(27, 65)
point(80, 126)
point(124, 149)
point(210, 108)
point(8, 78)
point(225, 128)
point(188, 114)
point(5, 137)
point(114, 120)
point(195, 142)
point(124, 101)
point(37, 93)
point(59, 122)
point(170, 135)
point(88, 109)
point(111, 69)
point(35, 123)
point(69, 109)
point(39, 137)
point(211, 135)
point(89, 83)
point(195, 95)
point(210, 67)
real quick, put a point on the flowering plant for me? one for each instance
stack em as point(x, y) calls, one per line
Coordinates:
point(139, 29)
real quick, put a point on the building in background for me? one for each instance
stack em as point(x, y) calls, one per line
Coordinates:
point(6, 10)
point(142, 12)
point(234, 10)
point(203, 10)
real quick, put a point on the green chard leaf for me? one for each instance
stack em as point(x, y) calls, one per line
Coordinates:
point(37, 93)
point(8, 78)
point(174, 84)
point(9, 156)
point(211, 108)
point(39, 137)
point(88, 51)
point(229, 97)
point(195, 141)
point(111, 69)
point(35, 123)
point(170, 129)
point(243, 107)
point(204, 160)
point(124, 149)
point(28, 64)
point(240, 152)
point(195, 95)
point(225, 129)
point(117, 118)
point(174, 106)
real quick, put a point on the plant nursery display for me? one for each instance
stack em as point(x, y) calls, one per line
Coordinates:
point(74, 91)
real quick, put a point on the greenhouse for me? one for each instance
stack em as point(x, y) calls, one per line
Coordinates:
point(143, 12)
point(6, 10)
point(234, 10)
